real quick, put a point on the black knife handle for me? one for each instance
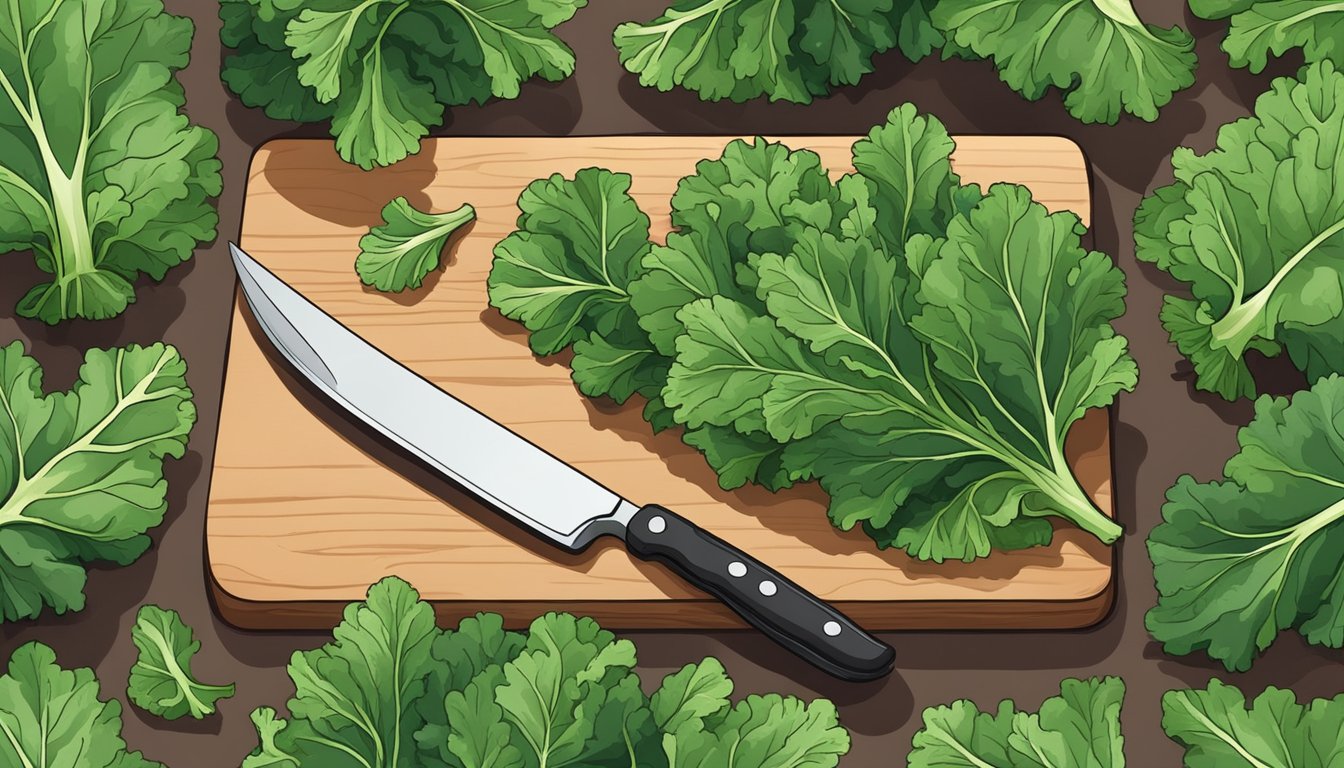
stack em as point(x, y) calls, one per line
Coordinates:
point(786, 612)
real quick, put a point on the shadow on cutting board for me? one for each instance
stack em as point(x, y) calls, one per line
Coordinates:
point(323, 185)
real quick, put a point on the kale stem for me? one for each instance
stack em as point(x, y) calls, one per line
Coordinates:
point(1235, 330)
point(1074, 504)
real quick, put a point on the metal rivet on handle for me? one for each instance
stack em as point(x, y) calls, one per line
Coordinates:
point(767, 588)
point(657, 524)
point(831, 628)
point(737, 570)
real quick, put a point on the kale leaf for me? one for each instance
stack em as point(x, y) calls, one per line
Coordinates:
point(81, 472)
point(797, 50)
point(354, 698)
point(1218, 730)
point(161, 682)
point(790, 50)
point(563, 694)
point(383, 70)
point(1099, 52)
point(406, 247)
point(1263, 27)
point(1079, 727)
point(1256, 228)
point(1239, 560)
point(52, 717)
point(101, 177)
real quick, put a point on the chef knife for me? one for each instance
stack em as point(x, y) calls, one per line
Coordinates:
point(537, 490)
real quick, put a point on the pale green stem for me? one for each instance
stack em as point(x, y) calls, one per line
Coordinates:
point(1235, 330)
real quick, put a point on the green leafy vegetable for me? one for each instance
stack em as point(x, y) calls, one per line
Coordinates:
point(1240, 560)
point(919, 348)
point(354, 697)
point(399, 254)
point(1255, 228)
point(1219, 731)
point(791, 50)
point(81, 472)
point(1263, 27)
point(101, 177)
point(796, 50)
point(383, 70)
point(52, 717)
point(161, 682)
point(563, 694)
point(1099, 52)
point(564, 273)
point(1079, 727)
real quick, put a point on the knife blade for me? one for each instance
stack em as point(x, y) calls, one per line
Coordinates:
point(537, 490)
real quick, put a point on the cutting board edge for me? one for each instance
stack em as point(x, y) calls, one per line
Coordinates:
point(697, 614)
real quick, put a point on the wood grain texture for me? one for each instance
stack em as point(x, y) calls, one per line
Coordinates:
point(306, 509)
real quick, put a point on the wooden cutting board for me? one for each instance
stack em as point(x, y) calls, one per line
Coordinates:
point(306, 510)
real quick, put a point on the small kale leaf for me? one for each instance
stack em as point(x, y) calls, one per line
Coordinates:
point(405, 248)
point(161, 681)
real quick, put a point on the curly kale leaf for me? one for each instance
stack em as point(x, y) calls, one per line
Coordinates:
point(1256, 229)
point(1240, 560)
point(1104, 58)
point(792, 50)
point(405, 248)
point(383, 70)
point(81, 472)
point(566, 275)
point(1079, 727)
point(101, 177)
point(161, 681)
point(960, 391)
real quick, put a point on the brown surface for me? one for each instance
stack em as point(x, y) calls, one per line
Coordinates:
point(283, 473)
point(1161, 430)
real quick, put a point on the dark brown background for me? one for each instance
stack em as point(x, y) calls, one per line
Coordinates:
point(1162, 429)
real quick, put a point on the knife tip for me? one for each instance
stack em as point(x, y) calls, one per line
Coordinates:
point(236, 252)
point(242, 262)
